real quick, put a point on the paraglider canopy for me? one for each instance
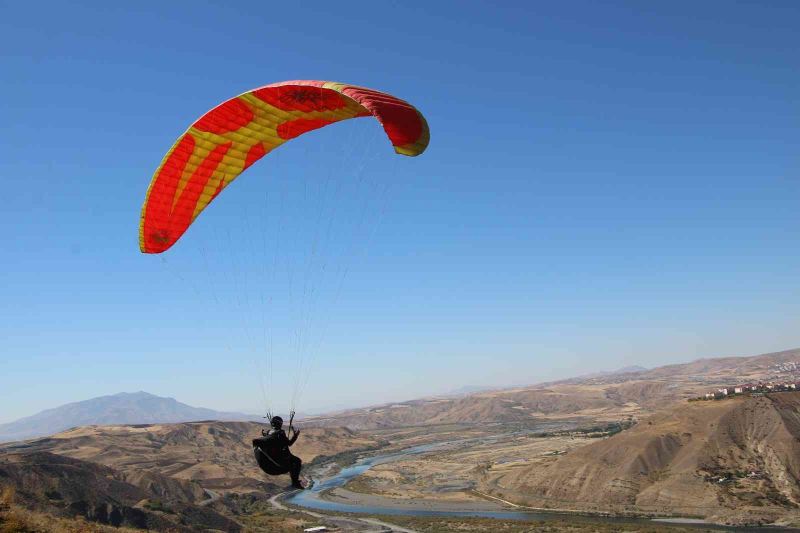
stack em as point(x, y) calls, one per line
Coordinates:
point(269, 280)
point(224, 142)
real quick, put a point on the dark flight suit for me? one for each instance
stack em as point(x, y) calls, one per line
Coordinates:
point(273, 455)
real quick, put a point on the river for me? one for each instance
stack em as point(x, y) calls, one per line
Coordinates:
point(314, 498)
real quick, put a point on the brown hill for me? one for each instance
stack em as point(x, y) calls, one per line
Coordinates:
point(215, 455)
point(736, 460)
point(166, 477)
point(520, 406)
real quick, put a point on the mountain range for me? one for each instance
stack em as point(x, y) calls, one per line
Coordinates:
point(634, 391)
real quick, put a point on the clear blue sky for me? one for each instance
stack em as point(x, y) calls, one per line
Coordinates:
point(607, 184)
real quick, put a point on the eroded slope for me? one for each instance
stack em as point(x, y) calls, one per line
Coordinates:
point(734, 460)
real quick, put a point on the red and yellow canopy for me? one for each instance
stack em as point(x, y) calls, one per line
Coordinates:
point(221, 144)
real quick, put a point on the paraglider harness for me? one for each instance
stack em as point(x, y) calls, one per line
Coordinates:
point(269, 452)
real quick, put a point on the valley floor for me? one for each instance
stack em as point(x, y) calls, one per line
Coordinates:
point(487, 469)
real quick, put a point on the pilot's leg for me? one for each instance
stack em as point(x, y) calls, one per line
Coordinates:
point(295, 464)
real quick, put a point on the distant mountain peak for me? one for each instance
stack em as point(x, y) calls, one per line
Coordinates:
point(137, 394)
point(121, 408)
point(630, 369)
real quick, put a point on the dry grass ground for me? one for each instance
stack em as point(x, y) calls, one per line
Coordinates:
point(15, 519)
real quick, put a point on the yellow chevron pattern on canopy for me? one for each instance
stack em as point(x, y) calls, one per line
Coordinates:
point(224, 142)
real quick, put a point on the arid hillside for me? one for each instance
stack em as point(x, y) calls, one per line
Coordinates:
point(516, 406)
point(194, 476)
point(610, 396)
point(735, 460)
point(218, 455)
point(69, 488)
